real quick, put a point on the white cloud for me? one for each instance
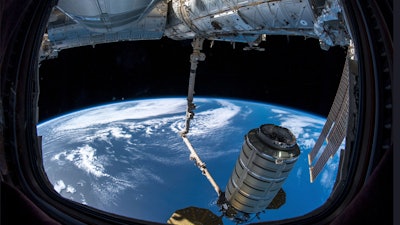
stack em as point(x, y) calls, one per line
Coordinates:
point(328, 176)
point(297, 123)
point(108, 191)
point(208, 121)
point(108, 133)
point(59, 186)
point(149, 131)
point(299, 172)
point(81, 183)
point(279, 111)
point(306, 143)
point(70, 189)
point(123, 111)
point(118, 133)
point(84, 158)
point(57, 157)
point(83, 199)
point(88, 161)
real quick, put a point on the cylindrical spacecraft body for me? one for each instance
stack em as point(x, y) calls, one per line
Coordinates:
point(268, 155)
point(110, 16)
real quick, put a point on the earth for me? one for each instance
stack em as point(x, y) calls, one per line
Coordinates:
point(128, 158)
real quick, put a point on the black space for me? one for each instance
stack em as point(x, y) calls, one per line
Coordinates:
point(292, 71)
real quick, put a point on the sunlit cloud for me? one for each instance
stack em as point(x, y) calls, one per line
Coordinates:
point(329, 173)
point(306, 143)
point(279, 111)
point(299, 172)
point(70, 189)
point(209, 120)
point(110, 189)
point(84, 158)
point(297, 123)
point(83, 199)
point(119, 111)
point(59, 186)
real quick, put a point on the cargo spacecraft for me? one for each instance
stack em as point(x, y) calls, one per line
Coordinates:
point(268, 155)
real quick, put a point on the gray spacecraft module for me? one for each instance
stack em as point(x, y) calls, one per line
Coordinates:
point(75, 23)
point(268, 155)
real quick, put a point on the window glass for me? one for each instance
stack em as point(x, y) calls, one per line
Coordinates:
point(111, 117)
